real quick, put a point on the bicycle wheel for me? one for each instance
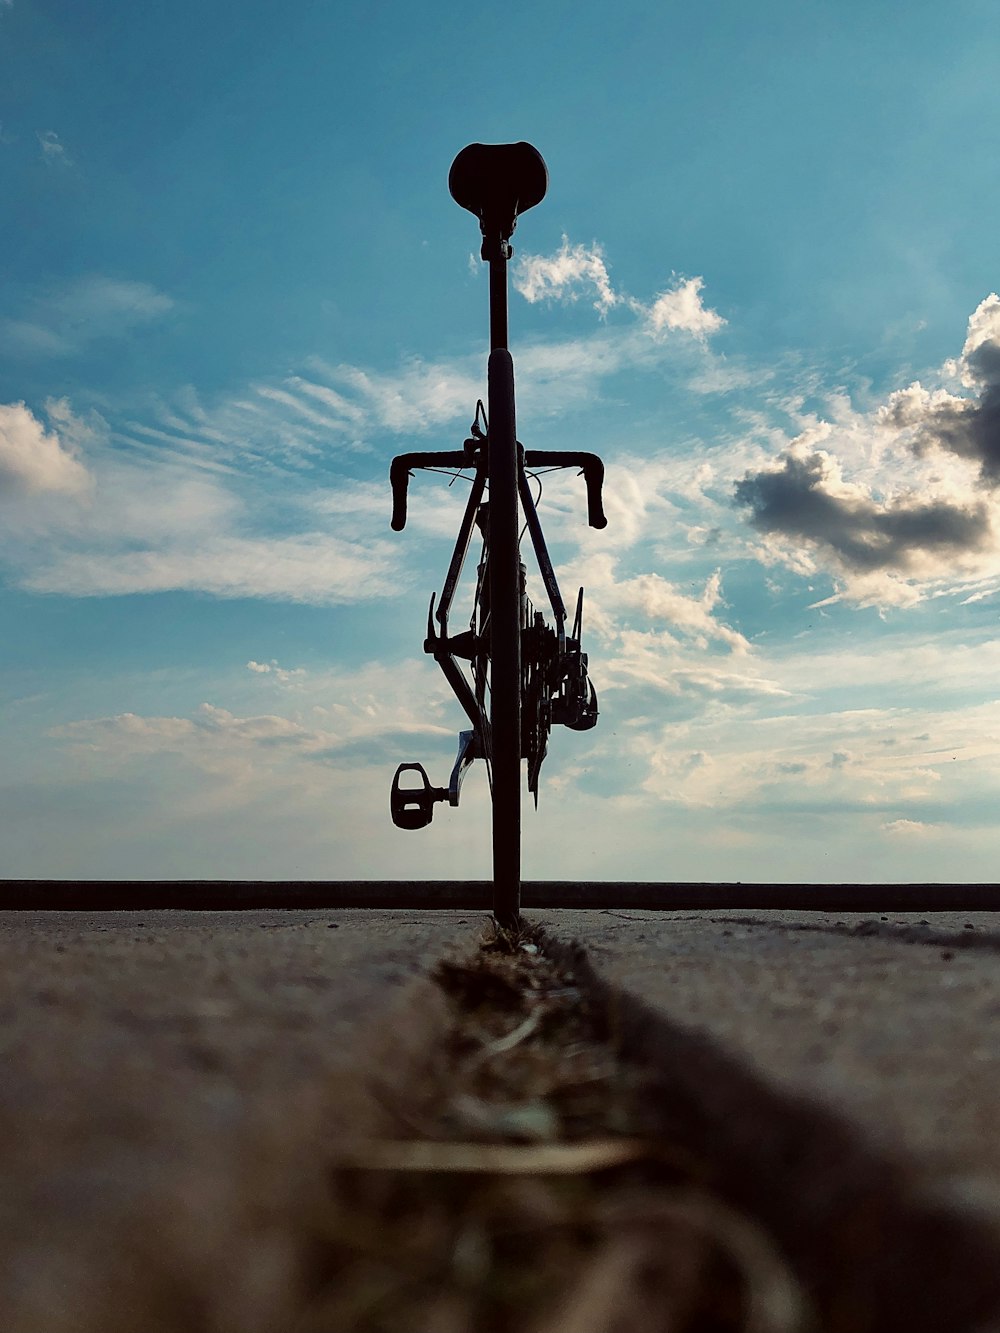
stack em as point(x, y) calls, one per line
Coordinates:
point(505, 640)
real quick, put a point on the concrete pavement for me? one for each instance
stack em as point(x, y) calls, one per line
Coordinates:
point(891, 1021)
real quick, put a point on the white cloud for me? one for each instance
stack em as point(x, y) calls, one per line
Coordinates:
point(766, 733)
point(658, 642)
point(980, 360)
point(418, 397)
point(907, 828)
point(33, 459)
point(659, 600)
point(312, 568)
point(341, 406)
point(63, 322)
point(260, 790)
point(576, 268)
point(755, 760)
point(284, 675)
point(100, 523)
point(375, 708)
point(562, 275)
point(680, 310)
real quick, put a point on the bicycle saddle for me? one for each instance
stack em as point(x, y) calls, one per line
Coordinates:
point(498, 181)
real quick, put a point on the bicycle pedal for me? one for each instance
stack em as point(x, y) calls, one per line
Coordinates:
point(413, 807)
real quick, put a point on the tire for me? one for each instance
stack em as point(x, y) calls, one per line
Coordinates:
point(506, 598)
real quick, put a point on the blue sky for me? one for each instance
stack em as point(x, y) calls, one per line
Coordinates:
point(762, 285)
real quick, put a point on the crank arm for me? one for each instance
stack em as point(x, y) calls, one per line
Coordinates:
point(468, 750)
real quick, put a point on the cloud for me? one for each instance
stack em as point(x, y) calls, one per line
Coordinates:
point(562, 275)
point(53, 149)
point(680, 309)
point(576, 268)
point(375, 704)
point(966, 427)
point(418, 397)
point(266, 784)
point(897, 502)
point(300, 420)
point(659, 643)
point(62, 323)
point(282, 674)
point(805, 496)
point(907, 828)
point(659, 600)
point(92, 521)
point(34, 460)
point(311, 568)
point(755, 759)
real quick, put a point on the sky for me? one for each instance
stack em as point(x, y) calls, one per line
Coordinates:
point(763, 286)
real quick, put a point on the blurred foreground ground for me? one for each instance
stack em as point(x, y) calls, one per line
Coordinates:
point(892, 1019)
point(175, 1083)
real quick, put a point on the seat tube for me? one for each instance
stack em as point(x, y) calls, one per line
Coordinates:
point(505, 613)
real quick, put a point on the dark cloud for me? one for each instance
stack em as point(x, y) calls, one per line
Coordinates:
point(967, 427)
point(795, 499)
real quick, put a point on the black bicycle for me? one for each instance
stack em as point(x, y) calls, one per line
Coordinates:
point(514, 674)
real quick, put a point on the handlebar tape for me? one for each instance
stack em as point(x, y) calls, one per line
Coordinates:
point(399, 476)
point(593, 474)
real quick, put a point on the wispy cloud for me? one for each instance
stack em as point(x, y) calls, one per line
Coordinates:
point(374, 706)
point(53, 149)
point(64, 321)
point(795, 750)
point(315, 568)
point(100, 522)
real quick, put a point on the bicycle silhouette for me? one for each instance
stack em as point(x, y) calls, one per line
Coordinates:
point(523, 675)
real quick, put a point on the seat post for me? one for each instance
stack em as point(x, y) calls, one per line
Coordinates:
point(497, 251)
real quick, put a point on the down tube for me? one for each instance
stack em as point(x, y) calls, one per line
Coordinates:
point(505, 640)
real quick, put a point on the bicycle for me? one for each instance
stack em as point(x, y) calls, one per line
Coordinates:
point(524, 674)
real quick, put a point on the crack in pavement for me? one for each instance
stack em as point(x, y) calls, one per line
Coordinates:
point(922, 933)
point(724, 1173)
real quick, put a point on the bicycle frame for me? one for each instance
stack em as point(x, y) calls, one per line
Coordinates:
point(537, 676)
